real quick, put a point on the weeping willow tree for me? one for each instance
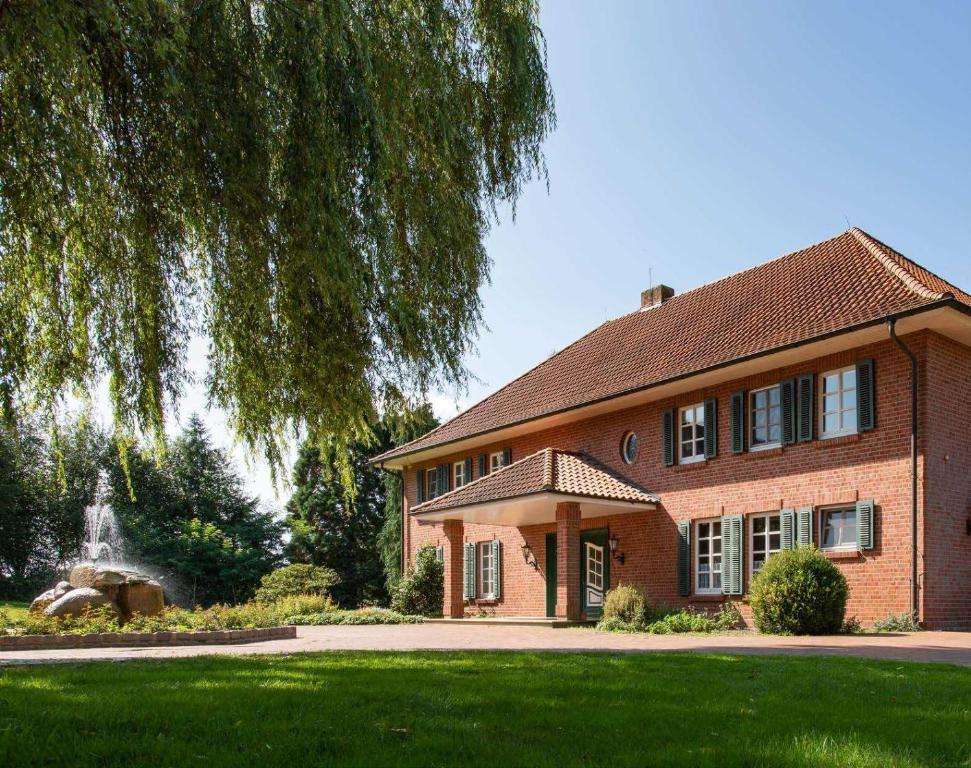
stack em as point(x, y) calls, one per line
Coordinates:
point(306, 185)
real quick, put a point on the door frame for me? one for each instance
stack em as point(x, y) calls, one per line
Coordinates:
point(600, 537)
point(551, 574)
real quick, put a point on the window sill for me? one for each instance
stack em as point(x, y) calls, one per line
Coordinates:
point(761, 453)
point(841, 554)
point(714, 597)
point(686, 465)
point(828, 442)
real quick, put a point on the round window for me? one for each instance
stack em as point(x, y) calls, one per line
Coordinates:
point(629, 448)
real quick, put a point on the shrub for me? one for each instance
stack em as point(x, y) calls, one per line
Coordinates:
point(799, 592)
point(903, 622)
point(302, 605)
point(676, 621)
point(360, 616)
point(295, 579)
point(626, 603)
point(420, 592)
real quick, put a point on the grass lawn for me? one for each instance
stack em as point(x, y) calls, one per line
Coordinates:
point(14, 609)
point(491, 709)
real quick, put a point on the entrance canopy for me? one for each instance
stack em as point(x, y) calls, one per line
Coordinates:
point(526, 492)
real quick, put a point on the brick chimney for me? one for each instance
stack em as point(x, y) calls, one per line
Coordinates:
point(656, 296)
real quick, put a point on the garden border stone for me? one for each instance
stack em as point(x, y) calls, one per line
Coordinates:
point(145, 639)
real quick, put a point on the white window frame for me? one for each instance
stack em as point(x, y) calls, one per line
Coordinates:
point(710, 589)
point(768, 517)
point(824, 513)
point(432, 475)
point(458, 474)
point(483, 553)
point(751, 420)
point(495, 461)
point(841, 410)
point(696, 409)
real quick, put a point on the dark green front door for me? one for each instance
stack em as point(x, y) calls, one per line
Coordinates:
point(594, 571)
point(551, 574)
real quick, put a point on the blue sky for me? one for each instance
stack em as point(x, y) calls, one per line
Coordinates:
point(696, 139)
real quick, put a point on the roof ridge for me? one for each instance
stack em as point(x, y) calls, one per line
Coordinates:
point(549, 469)
point(913, 283)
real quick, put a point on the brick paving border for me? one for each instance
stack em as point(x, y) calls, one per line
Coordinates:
point(143, 639)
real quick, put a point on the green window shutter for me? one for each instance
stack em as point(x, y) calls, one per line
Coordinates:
point(420, 486)
point(468, 469)
point(806, 407)
point(787, 528)
point(866, 414)
point(496, 567)
point(864, 524)
point(468, 583)
point(483, 465)
point(711, 428)
point(804, 526)
point(444, 478)
point(738, 422)
point(787, 397)
point(732, 555)
point(684, 558)
point(667, 437)
point(506, 457)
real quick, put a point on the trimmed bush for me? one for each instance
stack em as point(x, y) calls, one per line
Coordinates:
point(421, 591)
point(296, 579)
point(360, 616)
point(799, 592)
point(626, 603)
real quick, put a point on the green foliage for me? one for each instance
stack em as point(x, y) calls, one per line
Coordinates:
point(799, 592)
point(658, 621)
point(421, 591)
point(626, 603)
point(295, 579)
point(903, 622)
point(191, 523)
point(359, 616)
point(306, 185)
point(45, 483)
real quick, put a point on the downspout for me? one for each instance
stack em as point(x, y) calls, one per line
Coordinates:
point(914, 601)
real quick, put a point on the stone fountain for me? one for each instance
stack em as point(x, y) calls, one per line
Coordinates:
point(102, 578)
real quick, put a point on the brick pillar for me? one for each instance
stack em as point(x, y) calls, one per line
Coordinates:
point(453, 605)
point(568, 560)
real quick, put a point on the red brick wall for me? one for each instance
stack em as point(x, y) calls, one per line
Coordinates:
point(945, 424)
point(874, 465)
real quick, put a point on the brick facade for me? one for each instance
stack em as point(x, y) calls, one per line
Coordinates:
point(872, 465)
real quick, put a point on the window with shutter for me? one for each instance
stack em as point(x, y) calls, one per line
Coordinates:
point(805, 408)
point(420, 486)
point(468, 569)
point(788, 401)
point(738, 422)
point(708, 555)
point(864, 524)
point(732, 554)
point(667, 437)
point(865, 393)
point(711, 427)
point(787, 527)
point(684, 558)
point(804, 526)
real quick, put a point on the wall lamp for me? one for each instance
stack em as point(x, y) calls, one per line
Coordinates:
point(613, 542)
point(528, 556)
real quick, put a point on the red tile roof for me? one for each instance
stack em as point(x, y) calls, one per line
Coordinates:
point(848, 280)
point(547, 471)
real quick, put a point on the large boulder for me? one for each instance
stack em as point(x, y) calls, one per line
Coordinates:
point(46, 598)
point(75, 602)
point(82, 575)
point(143, 598)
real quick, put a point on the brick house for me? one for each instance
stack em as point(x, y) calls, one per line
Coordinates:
point(823, 397)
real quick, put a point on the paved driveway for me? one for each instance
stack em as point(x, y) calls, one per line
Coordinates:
point(951, 647)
